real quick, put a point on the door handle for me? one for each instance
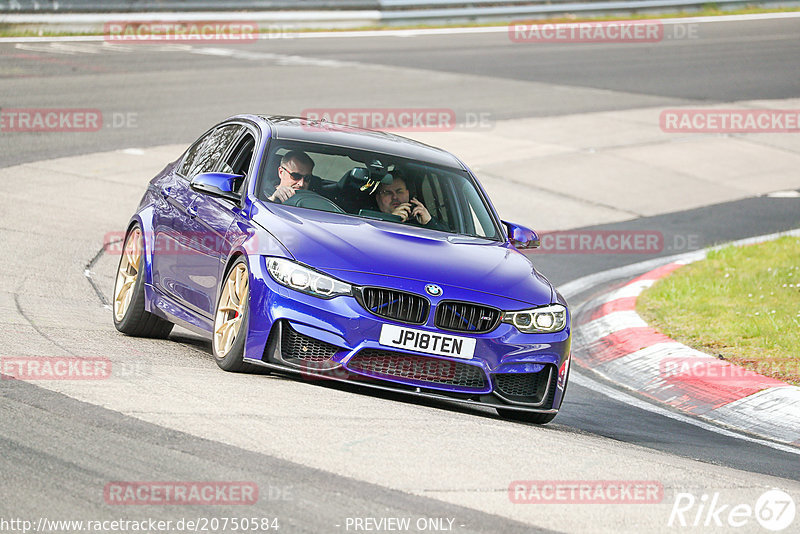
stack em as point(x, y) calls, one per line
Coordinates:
point(166, 191)
point(192, 211)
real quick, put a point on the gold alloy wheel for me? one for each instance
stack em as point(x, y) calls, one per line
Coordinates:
point(127, 274)
point(228, 320)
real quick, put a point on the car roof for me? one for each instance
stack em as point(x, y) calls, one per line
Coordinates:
point(328, 133)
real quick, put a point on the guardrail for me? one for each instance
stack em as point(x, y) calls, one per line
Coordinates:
point(90, 15)
point(94, 6)
point(507, 12)
point(385, 6)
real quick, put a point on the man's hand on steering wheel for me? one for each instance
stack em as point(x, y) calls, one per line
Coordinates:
point(282, 194)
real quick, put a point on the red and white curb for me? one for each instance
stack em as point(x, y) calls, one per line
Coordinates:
point(611, 339)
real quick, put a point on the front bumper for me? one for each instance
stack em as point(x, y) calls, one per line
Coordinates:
point(337, 339)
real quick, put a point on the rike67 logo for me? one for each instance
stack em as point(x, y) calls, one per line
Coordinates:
point(774, 510)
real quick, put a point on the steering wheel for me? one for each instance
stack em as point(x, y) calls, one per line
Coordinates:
point(305, 198)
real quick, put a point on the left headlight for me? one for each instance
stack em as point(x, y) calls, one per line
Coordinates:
point(547, 319)
point(301, 278)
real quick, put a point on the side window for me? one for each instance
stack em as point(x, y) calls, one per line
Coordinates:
point(211, 149)
point(238, 160)
point(191, 155)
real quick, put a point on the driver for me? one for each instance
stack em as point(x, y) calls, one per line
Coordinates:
point(294, 173)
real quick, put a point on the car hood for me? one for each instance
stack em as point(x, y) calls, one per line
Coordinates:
point(331, 241)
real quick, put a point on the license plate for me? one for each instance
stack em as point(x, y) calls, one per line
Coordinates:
point(428, 342)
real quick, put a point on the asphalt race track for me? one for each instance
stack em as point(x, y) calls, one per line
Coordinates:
point(323, 455)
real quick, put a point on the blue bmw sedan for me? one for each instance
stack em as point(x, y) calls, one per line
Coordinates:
point(339, 253)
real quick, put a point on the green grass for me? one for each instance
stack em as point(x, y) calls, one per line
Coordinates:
point(12, 30)
point(741, 303)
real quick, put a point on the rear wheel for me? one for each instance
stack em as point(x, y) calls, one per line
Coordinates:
point(231, 320)
point(130, 316)
point(526, 417)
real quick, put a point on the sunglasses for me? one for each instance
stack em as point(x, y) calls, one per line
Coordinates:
point(296, 176)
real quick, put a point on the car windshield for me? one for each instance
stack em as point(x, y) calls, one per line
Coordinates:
point(377, 186)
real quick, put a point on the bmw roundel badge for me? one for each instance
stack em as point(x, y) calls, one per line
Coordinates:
point(433, 290)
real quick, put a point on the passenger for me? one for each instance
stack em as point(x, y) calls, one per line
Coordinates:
point(394, 198)
point(294, 174)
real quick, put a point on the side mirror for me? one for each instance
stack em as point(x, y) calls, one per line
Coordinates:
point(522, 237)
point(219, 184)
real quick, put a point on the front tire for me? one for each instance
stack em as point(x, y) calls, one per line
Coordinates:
point(231, 320)
point(130, 316)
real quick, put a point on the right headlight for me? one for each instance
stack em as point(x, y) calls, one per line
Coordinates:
point(544, 320)
point(301, 278)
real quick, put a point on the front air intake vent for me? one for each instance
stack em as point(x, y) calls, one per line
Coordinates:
point(295, 347)
point(527, 388)
point(419, 370)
